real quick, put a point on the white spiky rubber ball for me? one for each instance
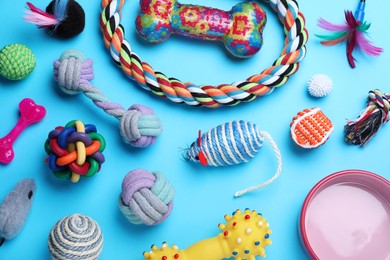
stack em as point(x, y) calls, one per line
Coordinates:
point(320, 85)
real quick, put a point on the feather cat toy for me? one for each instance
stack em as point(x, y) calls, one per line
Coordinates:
point(64, 18)
point(353, 32)
point(232, 143)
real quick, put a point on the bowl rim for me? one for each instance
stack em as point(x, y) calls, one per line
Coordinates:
point(317, 187)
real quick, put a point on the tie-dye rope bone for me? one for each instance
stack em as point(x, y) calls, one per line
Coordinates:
point(206, 95)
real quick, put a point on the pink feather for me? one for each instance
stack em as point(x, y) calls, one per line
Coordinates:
point(324, 24)
point(366, 46)
point(39, 17)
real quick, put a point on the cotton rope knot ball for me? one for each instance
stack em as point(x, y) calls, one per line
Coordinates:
point(63, 18)
point(146, 198)
point(75, 150)
point(73, 71)
point(17, 61)
point(139, 125)
point(320, 85)
point(75, 237)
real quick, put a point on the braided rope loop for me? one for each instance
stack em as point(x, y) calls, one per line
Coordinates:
point(206, 95)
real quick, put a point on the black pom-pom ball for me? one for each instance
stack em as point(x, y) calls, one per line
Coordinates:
point(74, 22)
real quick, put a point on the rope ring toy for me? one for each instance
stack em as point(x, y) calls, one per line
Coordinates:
point(207, 95)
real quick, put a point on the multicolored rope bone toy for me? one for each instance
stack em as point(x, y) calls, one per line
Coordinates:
point(14, 209)
point(370, 120)
point(240, 29)
point(146, 197)
point(244, 236)
point(139, 126)
point(17, 61)
point(75, 150)
point(206, 95)
point(30, 113)
point(65, 18)
point(232, 143)
point(353, 32)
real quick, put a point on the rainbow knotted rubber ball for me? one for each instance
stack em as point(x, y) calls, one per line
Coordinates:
point(17, 61)
point(75, 237)
point(75, 150)
point(146, 198)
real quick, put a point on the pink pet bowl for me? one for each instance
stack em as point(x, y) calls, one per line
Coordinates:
point(347, 216)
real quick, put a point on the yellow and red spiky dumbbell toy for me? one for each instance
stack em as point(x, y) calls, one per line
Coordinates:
point(244, 236)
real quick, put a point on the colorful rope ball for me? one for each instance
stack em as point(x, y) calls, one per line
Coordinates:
point(146, 198)
point(75, 150)
point(75, 237)
point(17, 61)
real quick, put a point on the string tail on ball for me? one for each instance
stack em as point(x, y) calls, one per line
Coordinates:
point(370, 120)
point(278, 155)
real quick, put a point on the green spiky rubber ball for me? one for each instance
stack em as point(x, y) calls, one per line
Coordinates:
point(16, 61)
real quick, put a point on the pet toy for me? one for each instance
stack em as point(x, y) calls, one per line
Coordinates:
point(206, 95)
point(310, 128)
point(232, 143)
point(75, 150)
point(15, 208)
point(353, 32)
point(244, 236)
point(370, 120)
point(75, 237)
point(240, 30)
point(29, 113)
point(146, 197)
point(64, 18)
point(320, 85)
point(17, 61)
point(139, 126)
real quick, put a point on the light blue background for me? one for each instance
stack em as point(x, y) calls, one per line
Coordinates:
point(203, 195)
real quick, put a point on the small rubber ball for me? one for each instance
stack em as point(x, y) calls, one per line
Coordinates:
point(74, 22)
point(17, 61)
point(320, 85)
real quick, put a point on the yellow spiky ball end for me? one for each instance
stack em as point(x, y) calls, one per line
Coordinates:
point(246, 234)
point(163, 253)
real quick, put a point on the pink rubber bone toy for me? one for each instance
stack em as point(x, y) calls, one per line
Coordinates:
point(240, 29)
point(29, 113)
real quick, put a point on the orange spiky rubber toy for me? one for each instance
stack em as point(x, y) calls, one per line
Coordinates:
point(244, 236)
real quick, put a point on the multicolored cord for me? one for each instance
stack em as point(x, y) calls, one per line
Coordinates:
point(206, 95)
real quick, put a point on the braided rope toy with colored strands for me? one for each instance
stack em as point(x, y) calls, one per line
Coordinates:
point(75, 150)
point(139, 126)
point(232, 143)
point(370, 120)
point(206, 95)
